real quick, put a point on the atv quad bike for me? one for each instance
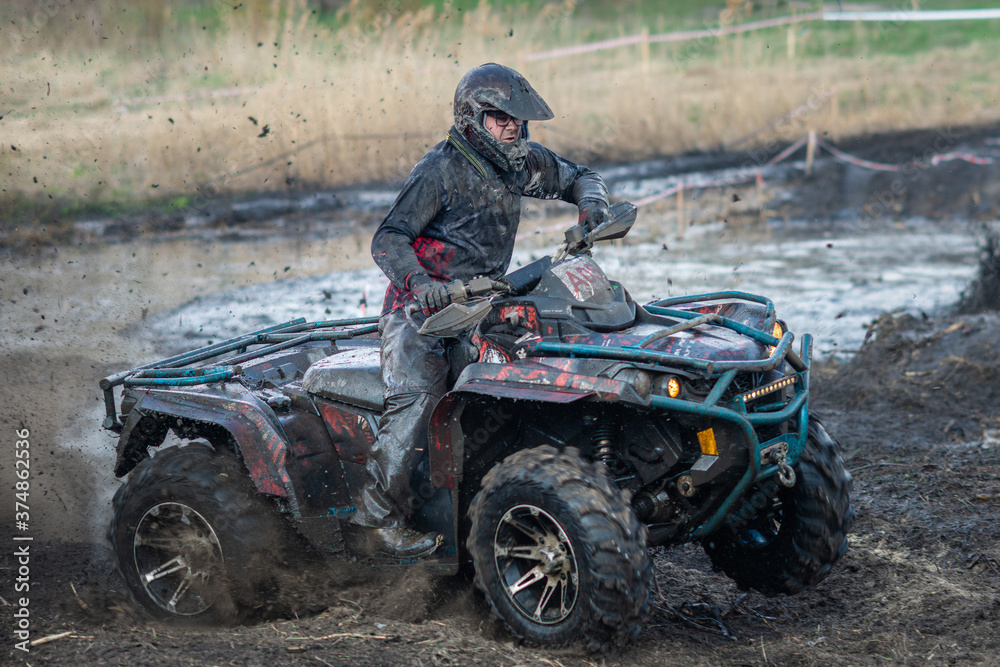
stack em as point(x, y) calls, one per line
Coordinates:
point(581, 429)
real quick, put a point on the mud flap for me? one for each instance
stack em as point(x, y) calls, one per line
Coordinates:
point(436, 511)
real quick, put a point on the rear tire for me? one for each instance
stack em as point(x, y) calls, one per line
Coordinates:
point(794, 541)
point(558, 552)
point(194, 541)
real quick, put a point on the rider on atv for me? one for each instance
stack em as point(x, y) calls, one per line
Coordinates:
point(455, 218)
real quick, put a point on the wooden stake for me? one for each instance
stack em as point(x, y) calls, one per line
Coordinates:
point(835, 112)
point(645, 50)
point(681, 222)
point(810, 151)
point(761, 197)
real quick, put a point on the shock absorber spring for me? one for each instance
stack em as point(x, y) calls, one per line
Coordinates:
point(603, 440)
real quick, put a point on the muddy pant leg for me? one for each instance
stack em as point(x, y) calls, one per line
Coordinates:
point(401, 442)
point(415, 371)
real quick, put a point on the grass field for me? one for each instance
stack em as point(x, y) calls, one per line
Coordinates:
point(108, 104)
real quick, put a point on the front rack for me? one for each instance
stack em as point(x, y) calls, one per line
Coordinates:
point(725, 373)
point(781, 347)
point(175, 371)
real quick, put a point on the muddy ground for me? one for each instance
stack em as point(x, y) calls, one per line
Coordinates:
point(916, 412)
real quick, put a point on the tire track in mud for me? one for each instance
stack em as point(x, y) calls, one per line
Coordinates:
point(916, 415)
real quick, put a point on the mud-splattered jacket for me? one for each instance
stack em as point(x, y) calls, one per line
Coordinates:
point(457, 215)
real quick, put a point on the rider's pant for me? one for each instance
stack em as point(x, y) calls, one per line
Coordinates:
point(415, 372)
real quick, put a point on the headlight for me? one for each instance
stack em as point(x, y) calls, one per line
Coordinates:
point(778, 330)
point(668, 385)
point(639, 380)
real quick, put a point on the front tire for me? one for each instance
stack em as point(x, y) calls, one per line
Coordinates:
point(797, 537)
point(193, 540)
point(558, 553)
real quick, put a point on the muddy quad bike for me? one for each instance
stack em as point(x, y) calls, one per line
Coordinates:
point(581, 429)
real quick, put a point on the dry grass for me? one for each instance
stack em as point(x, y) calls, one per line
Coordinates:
point(121, 118)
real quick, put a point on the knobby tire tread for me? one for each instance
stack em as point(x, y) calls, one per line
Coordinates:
point(251, 528)
point(616, 546)
point(804, 555)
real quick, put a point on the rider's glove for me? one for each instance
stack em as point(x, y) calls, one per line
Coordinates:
point(593, 214)
point(430, 294)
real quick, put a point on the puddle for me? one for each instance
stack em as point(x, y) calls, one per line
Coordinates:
point(829, 283)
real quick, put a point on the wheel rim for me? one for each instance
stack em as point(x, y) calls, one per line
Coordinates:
point(176, 554)
point(763, 528)
point(536, 564)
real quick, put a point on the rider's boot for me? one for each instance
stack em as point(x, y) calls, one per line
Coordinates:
point(379, 529)
point(395, 540)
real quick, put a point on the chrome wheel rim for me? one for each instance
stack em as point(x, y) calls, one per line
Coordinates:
point(536, 564)
point(176, 553)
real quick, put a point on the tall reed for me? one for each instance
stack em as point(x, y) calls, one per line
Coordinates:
point(267, 95)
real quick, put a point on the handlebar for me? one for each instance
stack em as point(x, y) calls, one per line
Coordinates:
point(463, 291)
point(577, 240)
point(478, 286)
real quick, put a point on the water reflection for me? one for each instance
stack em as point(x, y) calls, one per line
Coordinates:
point(830, 283)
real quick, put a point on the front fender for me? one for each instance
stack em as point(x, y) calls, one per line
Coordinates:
point(519, 381)
point(259, 437)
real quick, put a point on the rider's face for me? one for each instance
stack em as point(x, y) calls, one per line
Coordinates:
point(505, 129)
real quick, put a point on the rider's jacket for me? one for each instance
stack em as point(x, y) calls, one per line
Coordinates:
point(457, 214)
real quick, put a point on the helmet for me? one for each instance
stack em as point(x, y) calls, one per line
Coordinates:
point(493, 87)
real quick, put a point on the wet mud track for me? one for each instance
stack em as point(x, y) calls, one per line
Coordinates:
point(916, 413)
point(916, 416)
point(919, 585)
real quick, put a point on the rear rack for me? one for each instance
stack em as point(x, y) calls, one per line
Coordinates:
point(175, 371)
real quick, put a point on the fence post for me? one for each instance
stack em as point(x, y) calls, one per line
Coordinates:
point(681, 222)
point(835, 112)
point(761, 201)
point(645, 50)
point(810, 151)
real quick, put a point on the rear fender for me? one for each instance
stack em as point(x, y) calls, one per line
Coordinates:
point(258, 436)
